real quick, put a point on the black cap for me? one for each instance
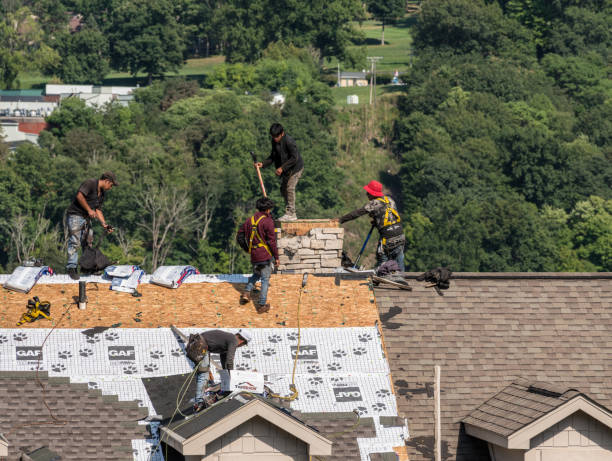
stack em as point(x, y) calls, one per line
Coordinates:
point(110, 176)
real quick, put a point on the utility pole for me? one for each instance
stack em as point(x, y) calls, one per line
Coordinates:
point(437, 422)
point(373, 60)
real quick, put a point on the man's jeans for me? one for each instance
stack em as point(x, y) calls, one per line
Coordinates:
point(288, 191)
point(202, 378)
point(77, 228)
point(261, 271)
point(396, 253)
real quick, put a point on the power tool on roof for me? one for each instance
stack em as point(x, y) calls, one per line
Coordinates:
point(36, 308)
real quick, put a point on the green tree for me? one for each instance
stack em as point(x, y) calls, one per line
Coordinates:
point(84, 55)
point(385, 11)
point(9, 62)
point(248, 27)
point(144, 36)
point(467, 26)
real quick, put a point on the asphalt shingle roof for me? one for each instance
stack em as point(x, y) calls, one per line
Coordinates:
point(485, 332)
point(99, 426)
point(518, 405)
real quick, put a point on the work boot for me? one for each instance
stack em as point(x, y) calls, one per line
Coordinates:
point(245, 297)
point(288, 217)
point(73, 273)
point(263, 308)
point(198, 406)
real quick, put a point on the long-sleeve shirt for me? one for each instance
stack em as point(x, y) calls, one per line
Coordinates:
point(285, 154)
point(265, 228)
point(222, 343)
point(376, 210)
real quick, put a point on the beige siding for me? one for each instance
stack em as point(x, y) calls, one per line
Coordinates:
point(257, 440)
point(576, 438)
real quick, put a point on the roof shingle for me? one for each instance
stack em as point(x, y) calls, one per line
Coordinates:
point(485, 332)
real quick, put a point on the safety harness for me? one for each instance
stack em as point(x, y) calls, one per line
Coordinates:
point(255, 233)
point(391, 226)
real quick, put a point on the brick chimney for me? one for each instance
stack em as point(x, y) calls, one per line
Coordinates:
point(309, 245)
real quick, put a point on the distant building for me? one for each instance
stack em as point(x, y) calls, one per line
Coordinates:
point(94, 96)
point(353, 79)
point(23, 112)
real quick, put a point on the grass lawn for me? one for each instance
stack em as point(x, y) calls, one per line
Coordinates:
point(396, 50)
point(193, 69)
point(363, 92)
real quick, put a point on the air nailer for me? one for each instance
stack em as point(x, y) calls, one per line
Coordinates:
point(36, 308)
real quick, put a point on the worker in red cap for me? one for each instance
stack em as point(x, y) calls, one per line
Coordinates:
point(385, 217)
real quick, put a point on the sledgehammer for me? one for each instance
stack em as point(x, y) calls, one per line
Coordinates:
point(263, 189)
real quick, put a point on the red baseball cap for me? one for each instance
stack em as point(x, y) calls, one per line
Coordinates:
point(374, 188)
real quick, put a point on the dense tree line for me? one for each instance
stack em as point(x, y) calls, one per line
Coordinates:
point(504, 136)
point(80, 41)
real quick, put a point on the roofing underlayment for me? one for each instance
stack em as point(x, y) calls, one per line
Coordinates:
point(120, 344)
point(486, 331)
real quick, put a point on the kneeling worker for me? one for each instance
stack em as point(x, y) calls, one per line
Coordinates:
point(218, 342)
point(387, 220)
point(261, 238)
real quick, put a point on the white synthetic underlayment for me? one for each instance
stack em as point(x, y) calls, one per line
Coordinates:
point(146, 278)
point(339, 370)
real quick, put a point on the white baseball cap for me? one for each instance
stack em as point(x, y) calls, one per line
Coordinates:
point(245, 334)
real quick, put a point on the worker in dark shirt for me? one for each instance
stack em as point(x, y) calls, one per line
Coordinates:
point(385, 217)
point(217, 342)
point(259, 229)
point(289, 166)
point(86, 205)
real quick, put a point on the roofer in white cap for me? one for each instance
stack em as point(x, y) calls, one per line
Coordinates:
point(219, 342)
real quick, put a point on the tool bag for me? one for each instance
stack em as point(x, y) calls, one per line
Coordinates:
point(439, 277)
point(92, 259)
point(196, 348)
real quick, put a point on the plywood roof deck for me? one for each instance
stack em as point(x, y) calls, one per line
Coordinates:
point(326, 302)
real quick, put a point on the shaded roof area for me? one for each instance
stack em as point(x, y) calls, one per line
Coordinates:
point(518, 405)
point(342, 428)
point(327, 301)
point(100, 427)
point(485, 332)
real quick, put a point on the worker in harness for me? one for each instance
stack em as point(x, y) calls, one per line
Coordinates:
point(218, 342)
point(289, 166)
point(86, 205)
point(260, 237)
point(386, 219)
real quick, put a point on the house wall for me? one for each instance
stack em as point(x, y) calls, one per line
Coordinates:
point(576, 438)
point(256, 440)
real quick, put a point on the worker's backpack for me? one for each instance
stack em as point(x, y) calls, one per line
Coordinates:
point(93, 260)
point(196, 348)
point(241, 240)
point(440, 277)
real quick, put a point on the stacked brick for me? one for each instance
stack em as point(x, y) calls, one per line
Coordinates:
point(310, 246)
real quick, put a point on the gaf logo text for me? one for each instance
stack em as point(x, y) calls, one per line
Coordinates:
point(347, 394)
point(29, 353)
point(306, 352)
point(121, 353)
